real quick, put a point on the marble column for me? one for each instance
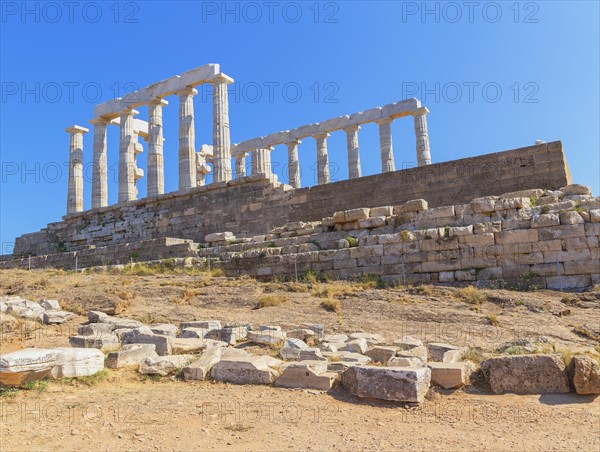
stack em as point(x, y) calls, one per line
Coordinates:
point(156, 165)
point(322, 158)
point(127, 167)
point(202, 169)
point(261, 161)
point(240, 166)
point(100, 166)
point(75, 187)
point(423, 152)
point(385, 142)
point(221, 136)
point(354, 170)
point(293, 163)
point(138, 172)
point(187, 139)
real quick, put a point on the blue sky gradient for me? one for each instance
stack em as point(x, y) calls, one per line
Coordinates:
point(495, 76)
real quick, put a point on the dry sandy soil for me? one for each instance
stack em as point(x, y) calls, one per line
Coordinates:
point(125, 411)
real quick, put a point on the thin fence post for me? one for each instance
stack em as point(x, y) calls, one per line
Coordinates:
point(559, 275)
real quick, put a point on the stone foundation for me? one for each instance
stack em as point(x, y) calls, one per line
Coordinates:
point(254, 205)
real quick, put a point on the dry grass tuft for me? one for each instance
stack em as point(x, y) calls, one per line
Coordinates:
point(265, 301)
point(332, 305)
point(472, 295)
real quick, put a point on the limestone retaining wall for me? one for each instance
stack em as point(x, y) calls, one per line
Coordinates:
point(253, 205)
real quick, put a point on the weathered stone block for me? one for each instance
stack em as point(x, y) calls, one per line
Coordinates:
point(246, 370)
point(450, 375)
point(388, 383)
point(585, 375)
point(200, 369)
point(164, 365)
point(77, 362)
point(381, 354)
point(130, 355)
point(526, 374)
point(306, 374)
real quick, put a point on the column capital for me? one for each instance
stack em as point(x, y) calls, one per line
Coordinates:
point(221, 78)
point(420, 111)
point(100, 121)
point(129, 112)
point(352, 128)
point(384, 121)
point(321, 136)
point(187, 91)
point(293, 142)
point(75, 129)
point(158, 101)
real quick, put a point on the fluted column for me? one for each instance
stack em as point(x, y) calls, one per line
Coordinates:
point(187, 139)
point(261, 161)
point(221, 136)
point(385, 142)
point(354, 170)
point(422, 136)
point(240, 166)
point(99, 164)
point(293, 163)
point(127, 167)
point(75, 187)
point(156, 165)
point(322, 158)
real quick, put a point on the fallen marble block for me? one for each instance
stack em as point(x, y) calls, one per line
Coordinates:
point(193, 345)
point(77, 362)
point(526, 374)
point(30, 364)
point(200, 369)
point(166, 329)
point(381, 354)
point(372, 339)
point(438, 350)
point(266, 337)
point(347, 356)
point(104, 342)
point(52, 317)
point(306, 374)
point(50, 305)
point(450, 375)
point(130, 355)
point(252, 369)
point(388, 383)
point(164, 365)
point(355, 346)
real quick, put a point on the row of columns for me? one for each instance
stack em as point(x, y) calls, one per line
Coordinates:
point(261, 158)
point(189, 175)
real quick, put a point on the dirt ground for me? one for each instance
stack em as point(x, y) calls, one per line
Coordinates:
point(125, 411)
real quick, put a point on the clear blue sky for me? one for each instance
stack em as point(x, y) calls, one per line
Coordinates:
point(495, 76)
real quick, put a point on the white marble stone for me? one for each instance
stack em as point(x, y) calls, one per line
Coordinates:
point(75, 187)
point(156, 166)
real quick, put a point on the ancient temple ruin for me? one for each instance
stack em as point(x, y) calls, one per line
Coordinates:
point(193, 163)
point(511, 216)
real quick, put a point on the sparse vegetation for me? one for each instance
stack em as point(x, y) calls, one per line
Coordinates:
point(492, 319)
point(91, 380)
point(586, 332)
point(331, 305)
point(472, 295)
point(36, 385)
point(272, 300)
point(8, 392)
point(534, 201)
point(472, 354)
point(352, 242)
